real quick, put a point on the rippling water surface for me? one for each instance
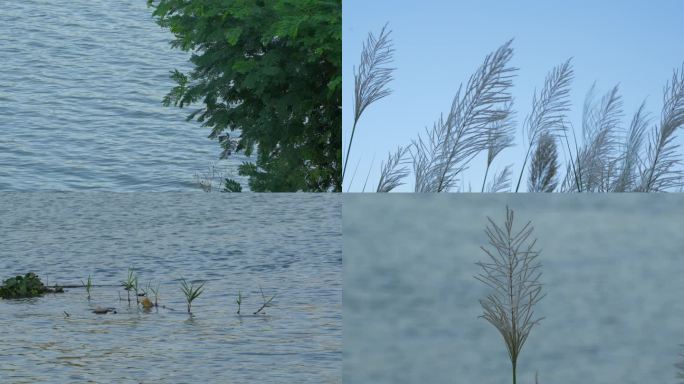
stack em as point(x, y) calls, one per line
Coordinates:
point(81, 84)
point(288, 244)
point(612, 265)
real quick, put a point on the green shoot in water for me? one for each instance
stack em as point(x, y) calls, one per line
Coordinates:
point(155, 292)
point(88, 285)
point(191, 292)
point(131, 283)
point(267, 302)
point(239, 301)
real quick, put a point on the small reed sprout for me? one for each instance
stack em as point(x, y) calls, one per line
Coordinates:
point(512, 273)
point(88, 285)
point(266, 301)
point(155, 292)
point(131, 283)
point(239, 301)
point(191, 292)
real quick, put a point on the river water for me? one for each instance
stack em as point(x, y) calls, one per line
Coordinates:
point(81, 84)
point(287, 244)
point(612, 271)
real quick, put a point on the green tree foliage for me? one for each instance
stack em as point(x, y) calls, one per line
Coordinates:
point(272, 70)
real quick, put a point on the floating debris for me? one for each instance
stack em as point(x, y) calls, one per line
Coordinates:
point(104, 311)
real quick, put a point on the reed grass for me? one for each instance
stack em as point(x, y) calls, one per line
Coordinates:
point(266, 301)
point(512, 273)
point(191, 292)
point(444, 152)
point(129, 284)
point(371, 79)
point(88, 285)
point(155, 292)
point(239, 301)
point(604, 157)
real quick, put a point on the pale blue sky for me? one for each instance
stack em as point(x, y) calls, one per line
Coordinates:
point(439, 43)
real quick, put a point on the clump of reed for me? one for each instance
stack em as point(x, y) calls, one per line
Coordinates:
point(191, 292)
point(512, 273)
point(603, 159)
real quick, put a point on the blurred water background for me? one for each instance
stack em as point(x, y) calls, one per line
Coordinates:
point(612, 269)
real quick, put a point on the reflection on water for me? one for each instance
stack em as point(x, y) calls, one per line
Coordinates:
point(80, 101)
point(612, 265)
point(289, 244)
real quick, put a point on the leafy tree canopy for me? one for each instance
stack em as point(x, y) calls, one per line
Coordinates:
point(270, 69)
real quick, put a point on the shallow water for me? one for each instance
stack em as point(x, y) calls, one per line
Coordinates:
point(612, 265)
point(80, 101)
point(289, 244)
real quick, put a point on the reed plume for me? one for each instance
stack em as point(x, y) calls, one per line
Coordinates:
point(628, 174)
point(451, 144)
point(501, 181)
point(597, 160)
point(512, 272)
point(372, 78)
point(549, 108)
point(393, 171)
point(500, 135)
point(662, 157)
point(544, 165)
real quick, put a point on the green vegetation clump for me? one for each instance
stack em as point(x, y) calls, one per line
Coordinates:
point(29, 285)
point(267, 80)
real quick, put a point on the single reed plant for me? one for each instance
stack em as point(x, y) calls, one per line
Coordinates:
point(512, 273)
point(606, 156)
point(239, 301)
point(131, 283)
point(191, 292)
point(155, 292)
point(266, 301)
point(88, 285)
point(371, 79)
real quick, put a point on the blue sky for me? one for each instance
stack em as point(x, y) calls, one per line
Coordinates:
point(440, 43)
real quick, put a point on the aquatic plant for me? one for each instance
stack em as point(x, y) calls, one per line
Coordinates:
point(25, 286)
point(239, 301)
point(512, 272)
point(88, 285)
point(191, 292)
point(155, 292)
point(605, 158)
point(131, 283)
point(266, 301)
